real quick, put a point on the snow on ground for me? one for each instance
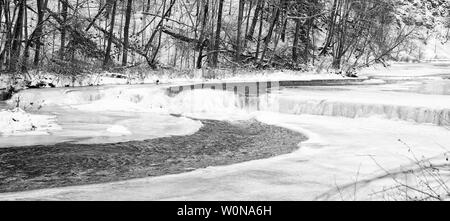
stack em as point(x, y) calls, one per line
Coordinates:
point(17, 122)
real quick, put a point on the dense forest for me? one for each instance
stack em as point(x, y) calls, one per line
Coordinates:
point(79, 36)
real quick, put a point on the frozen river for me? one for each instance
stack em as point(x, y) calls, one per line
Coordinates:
point(356, 133)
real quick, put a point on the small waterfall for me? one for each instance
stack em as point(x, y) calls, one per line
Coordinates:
point(439, 117)
point(139, 99)
point(226, 100)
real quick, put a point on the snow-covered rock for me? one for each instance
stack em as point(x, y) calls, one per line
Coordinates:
point(18, 122)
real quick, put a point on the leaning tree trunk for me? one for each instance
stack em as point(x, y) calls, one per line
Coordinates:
point(331, 27)
point(268, 37)
point(107, 59)
point(258, 9)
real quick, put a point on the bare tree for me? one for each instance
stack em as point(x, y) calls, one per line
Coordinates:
point(239, 29)
point(126, 29)
point(39, 28)
point(107, 59)
point(218, 30)
point(65, 7)
point(17, 36)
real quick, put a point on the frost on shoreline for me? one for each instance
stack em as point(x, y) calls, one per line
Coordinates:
point(17, 122)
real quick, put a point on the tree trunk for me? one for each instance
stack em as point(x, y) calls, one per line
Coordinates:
point(217, 38)
point(238, 37)
point(296, 37)
point(5, 52)
point(157, 30)
point(247, 23)
point(161, 24)
point(26, 52)
point(257, 13)
point(1, 35)
point(309, 29)
point(39, 27)
point(258, 43)
point(268, 37)
point(126, 32)
point(331, 26)
point(284, 4)
point(107, 59)
point(63, 29)
point(17, 40)
point(201, 42)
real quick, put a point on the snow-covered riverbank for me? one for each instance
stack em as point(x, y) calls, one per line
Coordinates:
point(17, 122)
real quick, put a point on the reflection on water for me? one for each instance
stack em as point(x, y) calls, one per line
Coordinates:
point(249, 95)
